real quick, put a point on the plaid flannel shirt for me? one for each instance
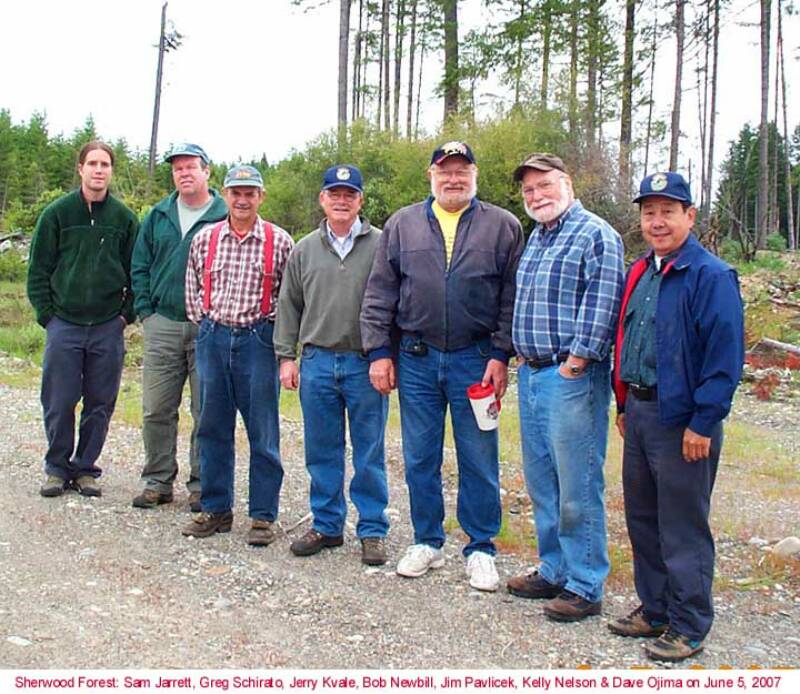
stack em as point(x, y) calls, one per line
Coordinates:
point(237, 275)
point(569, 287)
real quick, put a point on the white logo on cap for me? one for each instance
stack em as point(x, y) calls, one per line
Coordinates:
point(343, 174)
point(658, 182)
point(454, 148)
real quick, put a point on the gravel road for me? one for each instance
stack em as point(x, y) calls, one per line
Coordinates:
point(96, 583)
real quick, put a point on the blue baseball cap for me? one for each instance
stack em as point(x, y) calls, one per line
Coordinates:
point(666, 185)
point(243, 175)
point(343, 175)
point(187, 149)
point(452, 149)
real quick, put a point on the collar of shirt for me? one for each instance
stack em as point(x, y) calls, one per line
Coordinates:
point(257, 231)
point(349, 236)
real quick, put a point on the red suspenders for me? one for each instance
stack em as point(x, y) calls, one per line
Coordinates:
point(266, 292)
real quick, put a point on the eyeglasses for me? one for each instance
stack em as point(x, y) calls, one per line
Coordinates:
point(544, 187)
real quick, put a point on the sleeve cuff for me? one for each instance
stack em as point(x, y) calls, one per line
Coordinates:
point(700, 425)
point(499, 355)
point(380, 353)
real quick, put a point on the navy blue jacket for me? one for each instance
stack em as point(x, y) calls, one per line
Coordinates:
point(699, 338)
point(448, 307)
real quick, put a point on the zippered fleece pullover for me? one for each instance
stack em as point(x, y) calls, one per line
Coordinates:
point(160, 256)
point(80, 261)
point(320, 299)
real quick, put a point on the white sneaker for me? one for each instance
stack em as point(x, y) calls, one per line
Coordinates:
point(481, 572)
point(418, 559)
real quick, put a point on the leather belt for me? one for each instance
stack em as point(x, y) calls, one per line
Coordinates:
point(643, 392)
point(547, 361)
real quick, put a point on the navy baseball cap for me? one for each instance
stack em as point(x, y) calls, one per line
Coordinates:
point(243, 175)
point(343, 175)
point(187, 149)
point(666, 185)
point(452, 149)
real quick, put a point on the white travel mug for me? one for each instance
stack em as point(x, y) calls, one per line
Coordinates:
point(485, 406)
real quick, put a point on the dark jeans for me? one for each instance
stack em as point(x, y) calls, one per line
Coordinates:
point(667, 502)
point(238, 371)
point(80, 362)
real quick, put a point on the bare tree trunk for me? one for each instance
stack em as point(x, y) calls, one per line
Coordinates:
point(702, 103)
point(151, 160)
point(592, 71)
point(787, 173)
point(344, 45)
point(650, 97)
point(387, 120)
point(773, 224)
point(357, 62)
point(419, 90)
point(517, 62)
point(547, 33)
point(626, 115)
point(399, 30)
point(680, 29)
point(451, 73)
point(763, 133)
point(412, 48)
point(381, 75)
point(573, 70)
point(712, 117)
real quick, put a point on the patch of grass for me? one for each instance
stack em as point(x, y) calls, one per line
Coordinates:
point(770, 261)
point(756, 451)
point(515, 536)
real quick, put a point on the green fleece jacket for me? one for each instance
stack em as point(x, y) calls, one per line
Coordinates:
point(320, 298)
point(160, 255)
point(80, 261)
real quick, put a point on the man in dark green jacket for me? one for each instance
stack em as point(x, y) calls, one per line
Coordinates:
point(79, 286)
point(159, 271)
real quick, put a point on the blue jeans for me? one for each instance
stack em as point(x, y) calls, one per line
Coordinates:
point(238, 371)
point(80, 362)
point(564, 431)
point(427, 384)
point(330, 384)
point(667, 502)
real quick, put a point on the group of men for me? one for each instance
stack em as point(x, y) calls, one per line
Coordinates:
point(440, 300)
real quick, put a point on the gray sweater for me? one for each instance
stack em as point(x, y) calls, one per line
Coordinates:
point(320, 298)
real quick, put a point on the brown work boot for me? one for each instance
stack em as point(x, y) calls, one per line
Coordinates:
point(206, 524)
point(150, 498)
point(313, 542)
point(637, 624)
point(569, 607)
point(533, 586)
point(373, 551)
point(86, 485)
point(261, 533)
point(672, 647)
point(194, 502)
point(53, 486)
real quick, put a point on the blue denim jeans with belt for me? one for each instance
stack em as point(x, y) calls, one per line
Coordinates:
point(427, 384)
point(564, 431)
point(238, 371)
point(332, 384)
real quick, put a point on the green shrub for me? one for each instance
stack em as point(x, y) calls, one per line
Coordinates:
point(13, 267)
point(776, 242)
point(730, 251)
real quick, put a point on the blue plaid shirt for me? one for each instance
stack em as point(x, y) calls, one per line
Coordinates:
point(569, 287)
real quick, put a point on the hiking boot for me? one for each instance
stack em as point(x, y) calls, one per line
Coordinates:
point(637, 624)
point(418, 559)
point(261, 533)
point(206, 524)
point(373, 551)
point(314, 541)
point(150, 498)
point(569, 607)
point(194, 502)
point(482, 572)
point(53, 486)
point(672, 647)
point(86, 485)
point(533, 586)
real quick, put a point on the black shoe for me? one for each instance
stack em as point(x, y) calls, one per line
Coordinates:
point(313, 541)
point(569, 607)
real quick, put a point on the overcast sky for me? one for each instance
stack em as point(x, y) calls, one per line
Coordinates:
point(259, 76)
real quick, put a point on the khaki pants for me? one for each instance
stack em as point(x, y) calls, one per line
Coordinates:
point(169, 359)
